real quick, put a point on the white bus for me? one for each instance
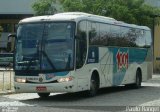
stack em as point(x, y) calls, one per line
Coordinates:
point(74, 51)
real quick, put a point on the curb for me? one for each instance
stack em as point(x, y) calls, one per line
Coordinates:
point(7, 92)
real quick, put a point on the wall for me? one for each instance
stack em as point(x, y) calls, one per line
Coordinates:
point(16, 6)
point(157, 49)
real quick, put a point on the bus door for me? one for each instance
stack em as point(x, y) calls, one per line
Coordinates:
point(81, 54)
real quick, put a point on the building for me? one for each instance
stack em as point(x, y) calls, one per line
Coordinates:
point(11, 11)
point(156, 3)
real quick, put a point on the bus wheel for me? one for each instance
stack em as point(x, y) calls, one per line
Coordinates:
point(94, 85)
point(138, 81)
point(43, 95)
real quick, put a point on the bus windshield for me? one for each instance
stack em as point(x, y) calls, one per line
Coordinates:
point(45, 46)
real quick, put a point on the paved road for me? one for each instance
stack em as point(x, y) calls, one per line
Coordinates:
point(108, 99)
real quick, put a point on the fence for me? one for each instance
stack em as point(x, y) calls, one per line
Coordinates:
point(6, 79)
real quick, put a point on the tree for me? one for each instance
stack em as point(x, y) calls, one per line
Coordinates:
point(44, 7)
point(1, 29)
point(130, 11)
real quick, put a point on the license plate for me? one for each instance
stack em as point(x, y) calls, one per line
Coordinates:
point(41, 88)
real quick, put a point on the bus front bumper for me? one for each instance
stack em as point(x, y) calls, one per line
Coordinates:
point(44, 88)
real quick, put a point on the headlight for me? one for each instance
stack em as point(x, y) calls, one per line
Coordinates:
point(20, 80)
point(67, 79)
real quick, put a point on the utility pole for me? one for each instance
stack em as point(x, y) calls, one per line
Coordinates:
point(153, 34)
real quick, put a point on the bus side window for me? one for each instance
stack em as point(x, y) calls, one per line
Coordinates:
point(93, 33)
point(81, 45)
point(148, 41)
point(140, 38)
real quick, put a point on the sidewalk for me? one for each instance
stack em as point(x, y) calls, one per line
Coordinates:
point(6, 81)
point(6, 92)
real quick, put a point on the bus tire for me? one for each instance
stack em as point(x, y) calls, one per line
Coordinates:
point(43, 95)
point(138, 79)
point(94, 85)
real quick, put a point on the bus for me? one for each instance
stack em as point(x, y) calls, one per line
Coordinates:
point(76, 51)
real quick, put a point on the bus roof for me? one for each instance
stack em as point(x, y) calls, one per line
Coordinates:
point(77, 16)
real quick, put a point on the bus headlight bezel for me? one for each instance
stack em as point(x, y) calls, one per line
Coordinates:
point(20, 80)
point(65, 79)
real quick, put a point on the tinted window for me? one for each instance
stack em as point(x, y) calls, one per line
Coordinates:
point(102, 34)
point(94, 33)
point(128, 37)
point(81, 44)
point(140, 38)
point(148, 38)
point(58, 46)
point(114, 36)
point(45, 46)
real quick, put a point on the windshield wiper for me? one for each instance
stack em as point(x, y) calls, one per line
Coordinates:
point(35, 58)
point(49, 60)
point(68, 62)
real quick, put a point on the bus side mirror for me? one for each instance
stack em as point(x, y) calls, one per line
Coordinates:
point(12, 36)
point(11, 42)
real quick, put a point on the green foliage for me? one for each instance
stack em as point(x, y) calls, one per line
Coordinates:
point(1, 29)
point(130, 11)
point(46, 7)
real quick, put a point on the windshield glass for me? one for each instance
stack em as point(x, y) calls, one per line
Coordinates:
point(45, 46)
